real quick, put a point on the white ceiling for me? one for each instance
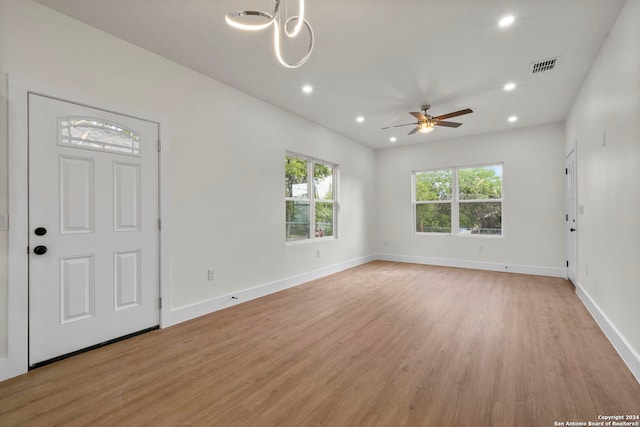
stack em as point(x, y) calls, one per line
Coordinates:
point(381, 59)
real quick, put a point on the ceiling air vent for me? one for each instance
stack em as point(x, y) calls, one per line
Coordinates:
point(544, 66)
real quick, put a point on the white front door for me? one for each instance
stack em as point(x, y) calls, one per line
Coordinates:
point(93, 227)
point(571, 220)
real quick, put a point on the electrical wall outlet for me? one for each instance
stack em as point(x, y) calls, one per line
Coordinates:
point(211, 274)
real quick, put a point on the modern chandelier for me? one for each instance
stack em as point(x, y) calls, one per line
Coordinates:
point(275, 20)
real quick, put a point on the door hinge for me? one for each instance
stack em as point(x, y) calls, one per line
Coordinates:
point(160, 303)
point(567, 263)
point(567, 217)
point(159, 224)
point(566, 171)
point(159, 146)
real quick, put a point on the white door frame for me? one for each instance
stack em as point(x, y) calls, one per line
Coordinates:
point(571, 238)
point(16, 362)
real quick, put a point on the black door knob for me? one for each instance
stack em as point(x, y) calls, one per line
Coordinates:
point(40, 231)
point(40, 250)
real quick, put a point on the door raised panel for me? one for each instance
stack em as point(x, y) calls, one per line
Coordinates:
point(77, 288)
point(76, 195)
point(127, 279)
point(126, 193)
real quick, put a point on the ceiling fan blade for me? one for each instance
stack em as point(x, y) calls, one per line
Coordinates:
point(454, 114)
point(448, 124)
point(421, 117)
point(397, 126)
point(414, 130)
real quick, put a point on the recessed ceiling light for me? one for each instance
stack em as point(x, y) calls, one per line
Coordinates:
point(393, 139)
point(506, 21)
point(513, 119)
point(307, 89)
point(360, 119)
point(509, 86)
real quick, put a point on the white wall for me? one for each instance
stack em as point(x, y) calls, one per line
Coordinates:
point(609, 178)
point(227, 189)
point(533, 180)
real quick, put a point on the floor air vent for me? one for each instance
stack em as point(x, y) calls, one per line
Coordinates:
point(544, 66)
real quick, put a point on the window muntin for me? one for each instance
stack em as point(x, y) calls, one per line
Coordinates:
point(309, 201)
point(97, 134)
point(460, 201)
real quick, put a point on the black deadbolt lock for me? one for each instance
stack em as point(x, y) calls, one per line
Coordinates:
point(41, 231)
point(40, 250)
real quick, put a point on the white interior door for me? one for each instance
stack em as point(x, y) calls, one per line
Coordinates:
point(93, 227)
point(571, 220)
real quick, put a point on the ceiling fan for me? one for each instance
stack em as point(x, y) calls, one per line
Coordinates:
point(426, 122)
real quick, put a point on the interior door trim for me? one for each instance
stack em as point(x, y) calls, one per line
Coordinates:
point(568, 237)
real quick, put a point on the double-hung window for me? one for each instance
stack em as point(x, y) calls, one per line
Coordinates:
point(310, 198)
point(461, 200)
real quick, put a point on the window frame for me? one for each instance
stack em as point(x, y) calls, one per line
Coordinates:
point(455, 202)
point(312, 200)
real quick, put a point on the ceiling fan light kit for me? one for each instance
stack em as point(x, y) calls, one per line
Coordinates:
point(426, 122)
point(426, 127)
point(274, 19)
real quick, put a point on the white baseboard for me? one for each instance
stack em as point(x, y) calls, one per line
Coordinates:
point(476, 265)
point(619, 342)
point(12, 367)
point(182, 314)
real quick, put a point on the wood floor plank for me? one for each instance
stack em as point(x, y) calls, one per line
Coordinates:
point(383, 344)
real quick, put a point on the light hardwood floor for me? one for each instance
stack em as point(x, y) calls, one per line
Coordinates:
point(384, 344)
